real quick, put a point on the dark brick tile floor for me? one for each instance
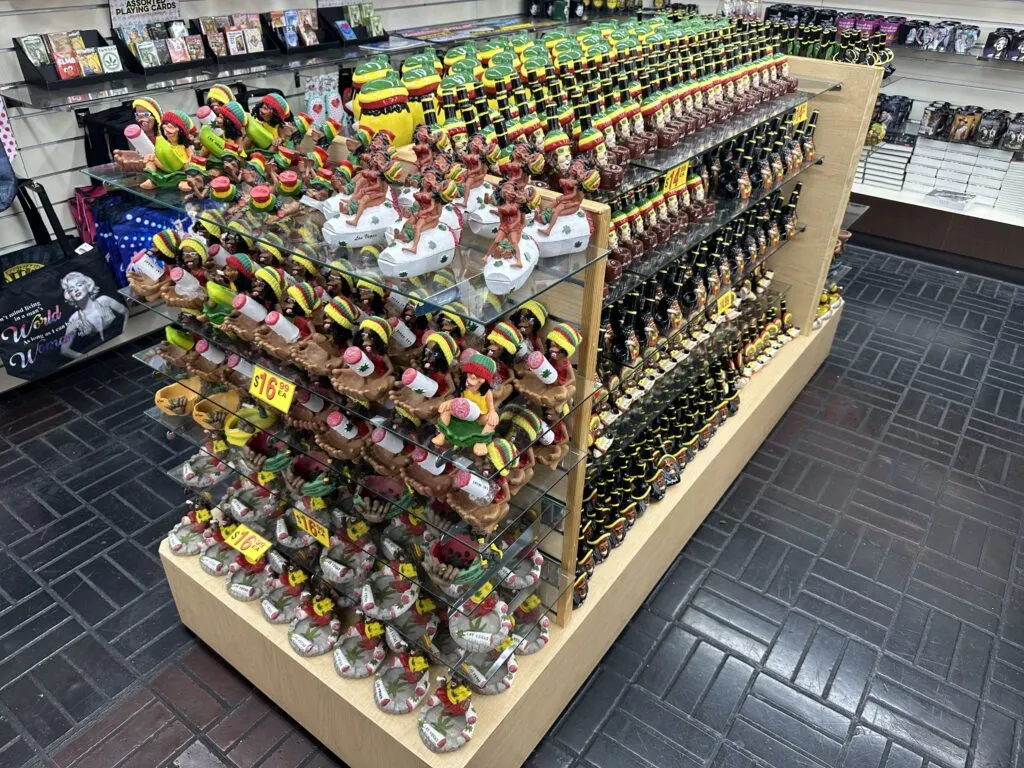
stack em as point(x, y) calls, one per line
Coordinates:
point(856, 600)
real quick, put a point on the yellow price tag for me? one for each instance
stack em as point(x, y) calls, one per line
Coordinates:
point(202, 515)
point(425, 605)
point(676, 177)
point(458, 693)
point(263, 477)
point(312, 527)
point(248, 542)
point(407, 570)
point(481, 594)
point(357, 529)
point(530, 603)
point(373, 629)
point(271, 389)
point(418, 664)
point(322, 606)
point(317, 502)
point(219, 446)
point(296, 577)
point(800, 114)
point(725, 301)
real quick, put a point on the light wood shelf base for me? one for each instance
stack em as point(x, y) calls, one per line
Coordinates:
point(341, 713)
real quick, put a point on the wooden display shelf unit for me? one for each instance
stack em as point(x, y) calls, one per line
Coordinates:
point(341, 713)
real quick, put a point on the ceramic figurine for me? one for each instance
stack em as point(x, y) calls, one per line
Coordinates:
point(389, 592)
point(319, 353)
point(525, 572)
point(387, 452)
point(352, 553)
point(171, 151)
point(423, 243)
point(345, 438)
point(491, 672)
point(413, 629)
point(282, 329)
point(401, 683)
point(360, 649)
point(216, 554)
point(480, 623)
point(371, 210)
point(367, 375)
point(503, 342)
point(554, 440)
point(263, 129)
point(314, 630)
point(551, 381)
point(187, 538)
point(449, 719)
point(284, 595)
point(149, 273)
point(482, 499)
point(469, 418)
point(453, 563)
point(142, 136)
point(424, 387)
point(531, 632)
point(559, 226)
point(513, 254)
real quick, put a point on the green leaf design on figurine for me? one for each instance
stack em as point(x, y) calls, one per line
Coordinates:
point(364, 368)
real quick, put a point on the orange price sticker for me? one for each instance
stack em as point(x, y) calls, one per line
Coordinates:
point(248, 542)
point(271, 389)
point(418, 664)
point(312, 527)
point(725, 301)
point(800, 114)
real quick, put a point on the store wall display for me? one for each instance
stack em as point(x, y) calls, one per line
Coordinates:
point(61, 59)
point(159, 46)
point(951, 36)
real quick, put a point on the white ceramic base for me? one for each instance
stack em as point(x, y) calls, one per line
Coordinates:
point(370, 229)
point(571, 234)
point(502, 275)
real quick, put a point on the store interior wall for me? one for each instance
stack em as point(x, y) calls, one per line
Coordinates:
point(51, 144)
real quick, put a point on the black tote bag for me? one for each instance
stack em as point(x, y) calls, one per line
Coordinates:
point(57, 302)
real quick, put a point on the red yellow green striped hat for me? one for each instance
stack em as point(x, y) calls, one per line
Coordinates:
point(555, 140)
point(318, 157)
point(148, 105)
point(303, 122)
point(378, 326)
point(196, 163)
point(222, 189)
point(239, 229)
point(393, 172)
point(343, 268)
point(482, 367)
point(344, 170)
point(259, 164)
point(331, 129)
point(565, 336)
point(273, 277)
point(288, 184)
point(506, 336)
point(277, 103)
point(262, 200)
point(502, 455)
point(272, 243)
point(242, 263)
point(342, 311)
point(179, 120)
point(233, 112)
point(285, 158)
point(212, 221)
point(372, 287)
point(221, 93)
point(321, 179)
point(590, 139)
point(450, 311)
point(523, 418)
point(167, 242)
point(535, 308)
point(304, 295)
point(449, 348)
point(195, 244)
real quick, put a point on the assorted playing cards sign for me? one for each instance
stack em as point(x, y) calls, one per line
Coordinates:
point(144, 11)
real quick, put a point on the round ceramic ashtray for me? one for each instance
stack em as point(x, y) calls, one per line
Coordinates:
point(360, 650)
point(390, 591)
point(481, 623)
point(401, 683)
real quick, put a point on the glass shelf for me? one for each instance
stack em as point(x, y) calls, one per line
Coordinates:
point(479, 29)
point(377, 415)
point(519, 541)
point(520, 504)
point(648, 265)
point(465, 273)
point(635, 176)
point(660, 394)
point(667, 341)
point(717, 135)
